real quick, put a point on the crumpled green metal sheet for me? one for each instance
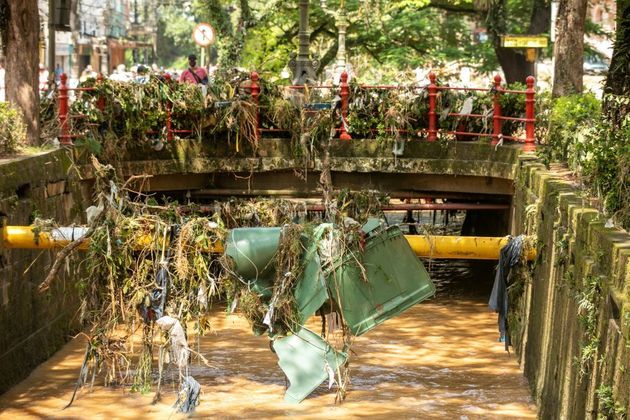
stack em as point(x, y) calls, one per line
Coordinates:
point(253, 252)
point(369, 287)
point(307, 360)
point(383, 281)
point(311, 291)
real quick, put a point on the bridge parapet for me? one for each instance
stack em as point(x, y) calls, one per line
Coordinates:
point(250, 108)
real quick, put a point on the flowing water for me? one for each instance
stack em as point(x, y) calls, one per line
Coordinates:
point(440, 359)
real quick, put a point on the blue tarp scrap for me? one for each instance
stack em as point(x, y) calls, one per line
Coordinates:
point(509, 257)
point(188, 398)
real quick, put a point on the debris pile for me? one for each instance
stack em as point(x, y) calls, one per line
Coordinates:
point(121, 116)
point(154, 271)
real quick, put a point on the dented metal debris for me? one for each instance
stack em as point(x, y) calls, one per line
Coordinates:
point(367, 288)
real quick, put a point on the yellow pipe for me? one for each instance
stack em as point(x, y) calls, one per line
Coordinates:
point(29, 237)
point(461, 247)
point(451, 247)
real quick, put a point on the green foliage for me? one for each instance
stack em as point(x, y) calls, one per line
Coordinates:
point(12, 129)
point(568, 113)
point(389, 36)
point(588, 297)
point(608, 407)
point(595, 145)
point(175, 42)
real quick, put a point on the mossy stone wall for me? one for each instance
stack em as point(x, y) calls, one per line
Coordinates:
point(573, 328)
point(32, 325)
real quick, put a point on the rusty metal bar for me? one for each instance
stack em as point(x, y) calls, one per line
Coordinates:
point(344, 93)
point(462, 88)
point(255, 92)
point(496, 110)
point(427, 206)
point(432, 114)
point(64, 108)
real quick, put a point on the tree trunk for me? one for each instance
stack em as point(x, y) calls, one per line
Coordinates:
point(513, 62)
point(514, 65)
point(569, 49)
point(20, 39)
point(618, 80)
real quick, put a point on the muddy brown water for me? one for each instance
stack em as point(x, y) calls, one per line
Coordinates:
point(440, 359)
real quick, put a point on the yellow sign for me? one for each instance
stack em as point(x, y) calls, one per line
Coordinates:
point(524, 41)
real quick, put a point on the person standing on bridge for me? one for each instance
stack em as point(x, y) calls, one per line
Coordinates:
point(193, 74)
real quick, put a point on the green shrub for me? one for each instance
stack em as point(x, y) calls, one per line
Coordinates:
point(568, 114)
point(595, 145)
point(12, 129)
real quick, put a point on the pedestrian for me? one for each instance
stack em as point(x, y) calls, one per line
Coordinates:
point(142, 74)
point(193, 74)
point(120, 74)
point(43, 78)
point(58, 72)
point(87, 73)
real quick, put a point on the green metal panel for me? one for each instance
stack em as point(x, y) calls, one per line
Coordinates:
point(307, 360)
point(392, 278)
point(311, 291)
point(253, 251)
point(395, 280)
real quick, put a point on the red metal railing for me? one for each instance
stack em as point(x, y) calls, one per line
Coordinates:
point(433, 92)
point(63, 101)
point(432, 131)
point(497, 115)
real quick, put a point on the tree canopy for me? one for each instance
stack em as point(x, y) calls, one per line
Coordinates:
point(388, 35)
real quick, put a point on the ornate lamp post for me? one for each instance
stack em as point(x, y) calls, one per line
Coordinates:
point(342, 24)
point(302, 66)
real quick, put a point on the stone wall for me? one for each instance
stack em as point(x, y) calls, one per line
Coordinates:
point(572, 320)
point(32, 325)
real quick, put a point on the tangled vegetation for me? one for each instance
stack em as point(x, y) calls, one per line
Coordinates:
point(128, 116)
point(608, 407)
point(12, 129)
point(595, 145)
point(153, 271)
point(392, 114)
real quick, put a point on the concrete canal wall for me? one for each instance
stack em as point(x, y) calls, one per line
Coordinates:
point(33, 325)
point(572, 310)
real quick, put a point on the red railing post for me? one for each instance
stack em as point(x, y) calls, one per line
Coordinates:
point(64, 131)
point(255, 92)
point(530, 115)
point(169, 107)
point(100, 103)
point(432, 115)
point(344, 93)
point(496, 110)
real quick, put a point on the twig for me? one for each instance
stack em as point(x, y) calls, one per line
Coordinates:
point(83, 370)
point(67, 251)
